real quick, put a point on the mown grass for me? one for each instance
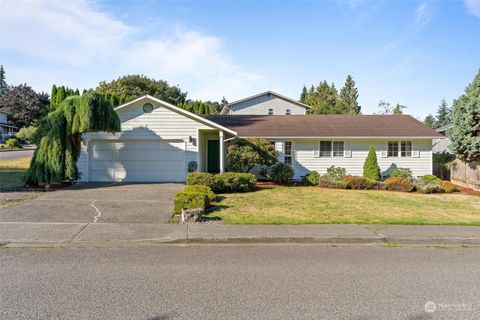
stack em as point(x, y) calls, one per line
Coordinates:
point(12, 172)
point(308, 205)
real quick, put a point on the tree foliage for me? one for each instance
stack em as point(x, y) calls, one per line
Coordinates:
point(465, 134)
point(202, 107)
point(55, 158)
point(325, 98)
point(386, 108)
point(429, 121)
point(371, 170)
point(245, 154)
point(24, 105)
point(59, 94)
point(444, 115)
point(130, 87)
point(3, 82)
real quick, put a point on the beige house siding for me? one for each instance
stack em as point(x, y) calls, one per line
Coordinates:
point(305, 158)
point(261, 104)
point(161, 123)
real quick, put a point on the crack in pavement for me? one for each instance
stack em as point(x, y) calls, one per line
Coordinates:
point(99, 213)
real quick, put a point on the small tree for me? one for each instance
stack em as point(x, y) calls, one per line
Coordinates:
point(245, 154)
point(371, 170)
point(465, 134)
point(429, 121)
point(3, 82)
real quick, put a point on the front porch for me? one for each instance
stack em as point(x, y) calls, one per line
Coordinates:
point(211, 149)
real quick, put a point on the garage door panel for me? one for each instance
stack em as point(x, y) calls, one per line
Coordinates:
point(137, 161)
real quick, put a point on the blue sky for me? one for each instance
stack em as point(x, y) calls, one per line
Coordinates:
point(411, 52)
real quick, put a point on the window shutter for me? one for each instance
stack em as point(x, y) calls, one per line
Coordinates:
point(416, 153)
point(384, 153)
point(347, 153)
point(316, 153)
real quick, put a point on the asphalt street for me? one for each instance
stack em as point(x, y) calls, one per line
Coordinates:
point(239, 282)
point(6, 155)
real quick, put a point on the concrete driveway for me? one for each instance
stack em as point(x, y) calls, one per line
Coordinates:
point(100, 203)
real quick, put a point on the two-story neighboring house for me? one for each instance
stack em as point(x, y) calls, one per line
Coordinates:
point(161, 142)
point(6, 130)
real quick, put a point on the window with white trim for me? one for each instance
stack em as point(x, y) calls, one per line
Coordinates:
point(338, 148)
point(392, 150)
point(406, 149)
point(325, 148)
point(288, 112)
point(270, 112)
point(287, 159)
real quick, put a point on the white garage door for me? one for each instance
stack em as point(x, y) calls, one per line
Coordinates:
point(137, 161)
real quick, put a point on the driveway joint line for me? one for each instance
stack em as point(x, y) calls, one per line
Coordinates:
point(81, 230)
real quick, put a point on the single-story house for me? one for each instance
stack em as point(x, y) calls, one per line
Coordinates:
point(161, 142)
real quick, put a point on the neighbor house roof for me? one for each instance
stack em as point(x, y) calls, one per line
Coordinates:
point(229, 106)
point(306, 126)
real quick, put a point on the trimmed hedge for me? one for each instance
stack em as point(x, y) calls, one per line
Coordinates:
point(398, 184)
point(281, 173)
point(189, 200)
point(224, 182)
point(202, 189)
point(360, 183)
point(312, 178)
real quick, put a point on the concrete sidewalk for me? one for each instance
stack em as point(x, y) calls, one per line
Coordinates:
point(12, 233)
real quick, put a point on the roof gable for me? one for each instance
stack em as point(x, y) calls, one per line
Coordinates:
point(232, 104)
point(177, 110)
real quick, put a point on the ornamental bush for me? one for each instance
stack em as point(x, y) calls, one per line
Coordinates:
point(189, 200)
point(281, 173)
point(398, 184)
point(430, 178)
point(201, 189)
point(333, 175)
point(27, 134)
point(237, 182)
point(448, 187)
point(245, 154)
point(312, 178)
point(401, 173)
point(206, 179)
point(11, 143)
point(371, 170)
point(425, 186)
point(360, 183)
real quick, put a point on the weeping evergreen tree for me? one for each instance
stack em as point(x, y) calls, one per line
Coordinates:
point(55, 158)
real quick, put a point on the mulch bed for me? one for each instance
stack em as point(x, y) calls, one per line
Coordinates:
point(468, 191)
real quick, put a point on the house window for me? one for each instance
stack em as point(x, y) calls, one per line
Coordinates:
point(392, 149)
point(270, 112)
point(406, 149)
point(325, 148)
point(338, 148)
point(288, 112)
point(288, 153)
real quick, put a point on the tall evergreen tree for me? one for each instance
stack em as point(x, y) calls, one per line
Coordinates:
point(349, 95)
point(444, 115)
point(429, 121)
point(3, 82)
point(53, 98)
point(304, 95)
point(465, 134)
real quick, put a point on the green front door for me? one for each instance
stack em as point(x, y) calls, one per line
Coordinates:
point(213, 156)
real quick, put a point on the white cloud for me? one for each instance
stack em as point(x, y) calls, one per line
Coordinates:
point(473, 7)
point(72, 43)
point(423, 14)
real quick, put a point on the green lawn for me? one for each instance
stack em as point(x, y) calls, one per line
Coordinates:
point(304, 205)
point(12, 172)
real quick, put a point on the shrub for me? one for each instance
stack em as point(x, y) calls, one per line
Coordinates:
point(312, 178)
point(398, 184)
point(333, 174)
point(189, 200)
point(371, 170)
point(201, 189)
point(360, 183)
point(27, 134)
point(245, 154)
point(11, 144)
point(448, 187)
point(237, 182)
point(424, 186)
point(206, 179)
point(401, 173)
point(430, 178)
point(281, 173)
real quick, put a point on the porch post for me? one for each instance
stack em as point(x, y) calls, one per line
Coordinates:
point(222, 152)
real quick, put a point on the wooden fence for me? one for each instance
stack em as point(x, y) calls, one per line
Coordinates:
point(466, 174)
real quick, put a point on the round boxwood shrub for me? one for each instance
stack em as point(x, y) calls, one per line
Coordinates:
point(202, 189)
point(206, 179)
point(398, 184)
point(312, 178)
point(281, 173)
